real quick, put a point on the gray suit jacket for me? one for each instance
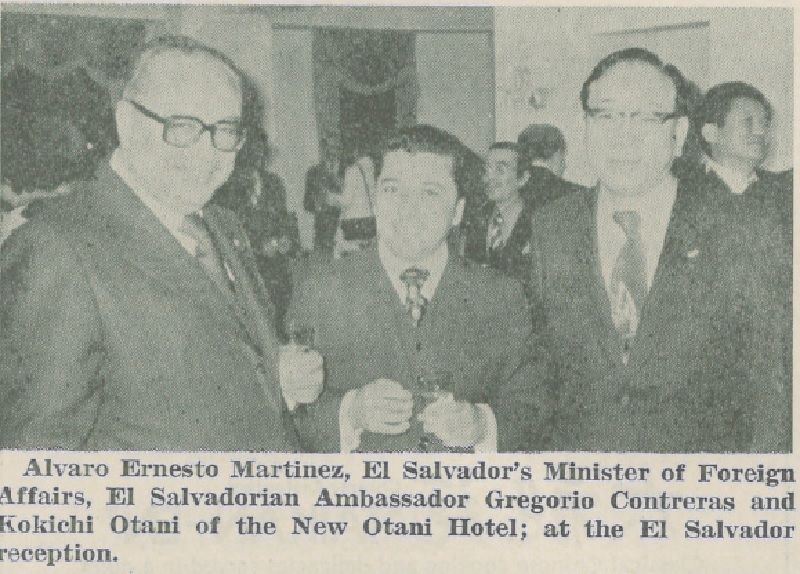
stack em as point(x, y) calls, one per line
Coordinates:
point(477, 327)
point(705, 370)
point(113, 337)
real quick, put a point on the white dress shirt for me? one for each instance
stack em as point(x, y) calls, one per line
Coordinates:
point(735, 182)
point(654, 209)
point(10, 220)
point(350, 436)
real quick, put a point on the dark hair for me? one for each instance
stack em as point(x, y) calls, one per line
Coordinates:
point(682, 105)
point(717, 104)
point(429, 139)
point(510, 146)
point(539, 142)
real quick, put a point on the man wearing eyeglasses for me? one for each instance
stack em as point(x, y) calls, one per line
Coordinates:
point(661, 333)
point(133, 317)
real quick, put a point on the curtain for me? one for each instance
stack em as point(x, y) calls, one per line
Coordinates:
point(364, 62)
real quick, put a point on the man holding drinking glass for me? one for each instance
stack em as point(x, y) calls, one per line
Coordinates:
point(133, 316)
point(422, 351)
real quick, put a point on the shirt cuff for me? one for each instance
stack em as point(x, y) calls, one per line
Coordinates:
point(489, 442)
point(349, 436)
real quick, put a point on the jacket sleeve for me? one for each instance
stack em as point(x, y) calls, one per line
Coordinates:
point(317, 424)
point(767, 354)
point(51, 348)
point(524, 399)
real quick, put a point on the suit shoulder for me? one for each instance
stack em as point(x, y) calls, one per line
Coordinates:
point(489, 283)
point(555, 214)
point(326, 275)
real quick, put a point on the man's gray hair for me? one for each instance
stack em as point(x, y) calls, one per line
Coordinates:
point(181, 45)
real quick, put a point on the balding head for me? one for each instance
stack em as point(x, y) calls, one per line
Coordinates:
point(177, 79)
point(176, 60)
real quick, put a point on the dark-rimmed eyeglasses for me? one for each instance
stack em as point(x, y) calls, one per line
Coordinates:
point(638, 119)
point(185, 131)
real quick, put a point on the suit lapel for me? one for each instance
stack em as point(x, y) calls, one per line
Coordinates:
point(590, 277)
point(673, 280)
point(250, 308)
point(126, 225)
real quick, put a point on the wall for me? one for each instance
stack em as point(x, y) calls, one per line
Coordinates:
point(455, 78)
point(294, 136)
point(555, 49)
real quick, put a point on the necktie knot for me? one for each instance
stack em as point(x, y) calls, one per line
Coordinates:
point(194, 227)
point(630, 222)
point(414, 278)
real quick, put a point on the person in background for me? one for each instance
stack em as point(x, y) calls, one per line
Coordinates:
point(356, 230)
point(323, 185)
point(542, 153)
point(258, 197)
point(423, 352)
point(735, 122)
point(501, 236)
point(132, 316)
point(652, 303)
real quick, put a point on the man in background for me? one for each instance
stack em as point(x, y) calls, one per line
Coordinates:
point(132, 316)
point(652, 303)
point(543, 157)
point(500, 236)
point(393, 319)
point(735, 122)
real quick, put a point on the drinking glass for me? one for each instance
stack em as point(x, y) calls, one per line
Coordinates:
point(300, 334)
point(431, 387)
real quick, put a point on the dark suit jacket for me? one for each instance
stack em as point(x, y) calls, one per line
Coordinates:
point(113, 337)
point(704, 372)
point(511, 257)
point(326, 217)
point(543, 186)
point(476, 326)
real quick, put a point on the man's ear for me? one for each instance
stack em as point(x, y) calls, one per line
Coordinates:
point(459, 213)
point(710, 133)
point(524, 179)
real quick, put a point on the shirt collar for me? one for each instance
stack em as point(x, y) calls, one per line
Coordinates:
point(169, 218)
point(735, 182)
point(655, 206)
point(434, 264)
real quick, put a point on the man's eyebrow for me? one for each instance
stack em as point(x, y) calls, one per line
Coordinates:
point(433, 183)
point(504, 163)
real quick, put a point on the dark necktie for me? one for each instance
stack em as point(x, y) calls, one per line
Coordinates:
point(628, 288)
point(205, 251)
point(415, 303)
point(495, 235)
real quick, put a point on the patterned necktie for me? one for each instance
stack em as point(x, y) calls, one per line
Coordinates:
point(415, 303)
point(495, 235)
point(628, 288)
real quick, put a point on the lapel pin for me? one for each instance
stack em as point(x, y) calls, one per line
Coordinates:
point(692, 254)
point(236, 243)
